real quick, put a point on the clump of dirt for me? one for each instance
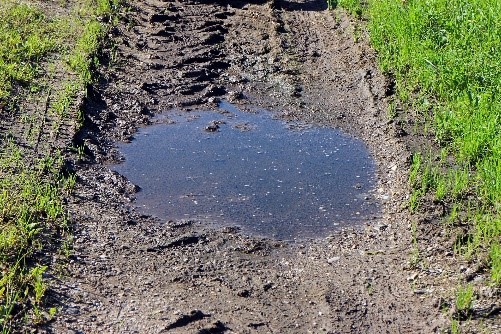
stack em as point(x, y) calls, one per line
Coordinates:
point(130, 273)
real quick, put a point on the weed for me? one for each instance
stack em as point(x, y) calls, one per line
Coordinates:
point(79, 150)
point(495, 261)
point(454, 213)
point(455, 327)
point(63, 102)
point(464, 301)
point(422, 177)
point(52, 312)
point(391, 112)
point(67, 247)
point(38, 284)
point(459, 180)
point(69, 183)
point(370, 288)
point(80, 119)
point(353, 6)
point(414, 200)
point(357, 33)
point(441, 189)
point(415, 169)
point(428, 176)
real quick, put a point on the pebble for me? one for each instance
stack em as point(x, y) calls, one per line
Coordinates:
point(333, 259)
point(412, 277)
point(213, 99)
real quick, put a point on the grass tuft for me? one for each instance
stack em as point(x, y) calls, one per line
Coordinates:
point(495, 261)
point(464, 301)
point(50, 51)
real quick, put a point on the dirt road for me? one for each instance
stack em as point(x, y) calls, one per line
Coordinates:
point(130, 273)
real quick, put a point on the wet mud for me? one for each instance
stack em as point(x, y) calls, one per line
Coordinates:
point(134, 273)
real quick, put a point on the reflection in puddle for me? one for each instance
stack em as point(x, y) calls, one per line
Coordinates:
point(276, 179)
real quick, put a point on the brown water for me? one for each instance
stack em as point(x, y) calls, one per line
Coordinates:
point(271, 178)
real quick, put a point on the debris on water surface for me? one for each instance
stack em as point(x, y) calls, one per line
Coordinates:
point(213, 126)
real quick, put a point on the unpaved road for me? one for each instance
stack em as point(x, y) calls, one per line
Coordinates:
point(130, 273)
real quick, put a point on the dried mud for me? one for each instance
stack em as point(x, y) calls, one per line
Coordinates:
point(130, 273)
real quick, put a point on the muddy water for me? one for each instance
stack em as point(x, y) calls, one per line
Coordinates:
point(285, 180)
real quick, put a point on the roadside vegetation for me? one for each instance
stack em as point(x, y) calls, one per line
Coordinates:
point(47, 58)
point(445, 59)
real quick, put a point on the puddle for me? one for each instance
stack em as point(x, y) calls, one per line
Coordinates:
point(271, 178)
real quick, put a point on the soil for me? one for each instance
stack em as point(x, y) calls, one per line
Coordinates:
point(132, 273)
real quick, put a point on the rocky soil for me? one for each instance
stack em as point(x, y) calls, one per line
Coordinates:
point(132, 273)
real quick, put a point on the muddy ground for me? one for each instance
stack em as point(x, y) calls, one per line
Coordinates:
point(131, 273)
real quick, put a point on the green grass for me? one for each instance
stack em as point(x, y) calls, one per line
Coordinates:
point(444, 56)
point(31, 211)
point(25, 38)
point(46, 56)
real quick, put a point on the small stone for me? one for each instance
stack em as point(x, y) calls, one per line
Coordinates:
point(73, 310)
point(412, 277)
point(380, 227)
point(212, 127)
point(333, 259)
point(244, 293)
point(214, 100)
point(235, 95)
point(420, 291)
